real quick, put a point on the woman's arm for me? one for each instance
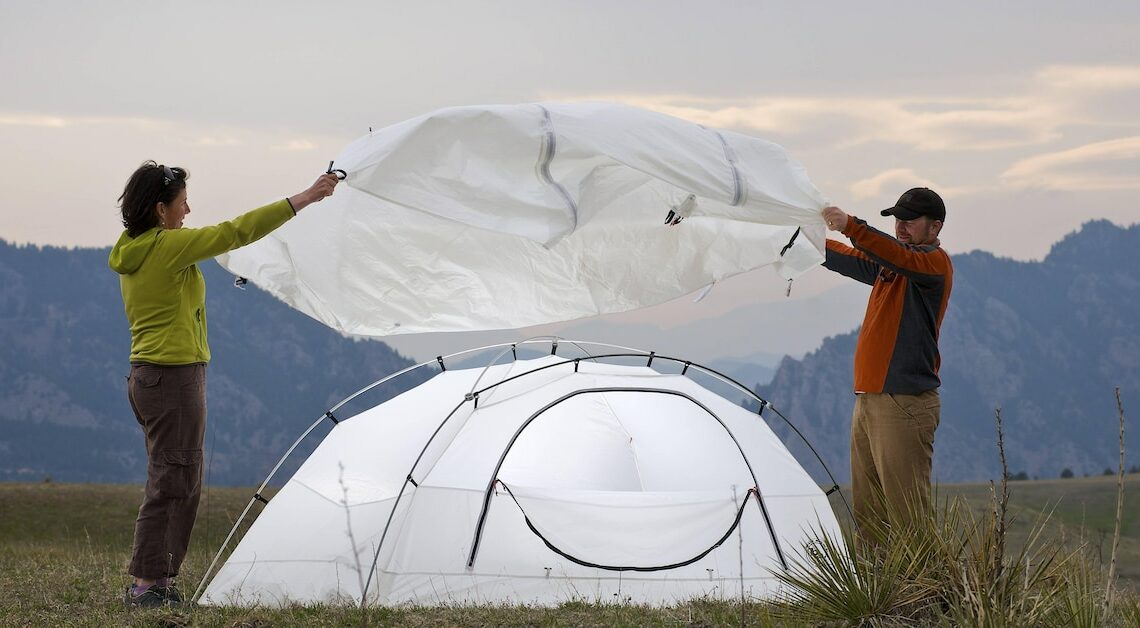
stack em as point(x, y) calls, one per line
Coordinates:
point(183, 247)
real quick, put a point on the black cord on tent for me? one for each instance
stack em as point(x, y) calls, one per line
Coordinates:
point(494, 476)
point(442, 366)
point(329, 416)
point(585, 563)
point(340, 174)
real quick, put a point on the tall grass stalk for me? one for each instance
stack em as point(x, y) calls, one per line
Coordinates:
point(1119, 509)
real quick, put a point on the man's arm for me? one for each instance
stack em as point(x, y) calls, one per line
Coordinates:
point(843, 259)
point(914, 261)
point(849, 262)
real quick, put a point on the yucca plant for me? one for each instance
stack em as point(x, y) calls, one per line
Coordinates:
point(950, 565)
point(856, 583)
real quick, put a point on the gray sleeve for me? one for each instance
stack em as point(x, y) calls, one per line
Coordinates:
point(856, 267)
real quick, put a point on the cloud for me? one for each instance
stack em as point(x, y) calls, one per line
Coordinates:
point(899, 178)
point(1055, 99)
point(1108, 165)
point(43, 120)
point(32, 120)
point(215, 140)
point(294, 145)
point(1091, 77)
point(926, 124)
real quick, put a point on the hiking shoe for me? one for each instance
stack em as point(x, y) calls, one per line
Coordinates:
point(173, 595)
point(152, 597)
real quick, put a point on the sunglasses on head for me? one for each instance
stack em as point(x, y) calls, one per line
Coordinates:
point(167, 175)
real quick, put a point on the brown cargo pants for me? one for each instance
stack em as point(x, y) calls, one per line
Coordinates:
point(892, 448)
point(170, 404)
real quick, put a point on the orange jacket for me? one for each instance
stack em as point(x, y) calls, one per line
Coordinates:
point(897, 351)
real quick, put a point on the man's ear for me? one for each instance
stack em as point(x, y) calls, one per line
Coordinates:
point(937, 224)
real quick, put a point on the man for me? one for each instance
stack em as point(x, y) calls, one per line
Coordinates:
point(896, 359)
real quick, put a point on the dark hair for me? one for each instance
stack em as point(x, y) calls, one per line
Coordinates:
point(150, 185)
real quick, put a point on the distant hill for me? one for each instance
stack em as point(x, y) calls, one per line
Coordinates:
point(1044, 341)
point(64, 348)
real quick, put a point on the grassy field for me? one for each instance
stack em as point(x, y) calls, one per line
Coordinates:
point(64, 551)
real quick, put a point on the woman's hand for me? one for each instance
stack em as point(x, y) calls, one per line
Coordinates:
point(324, 186)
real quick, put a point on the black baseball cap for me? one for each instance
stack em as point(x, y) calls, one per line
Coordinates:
point(917, 202)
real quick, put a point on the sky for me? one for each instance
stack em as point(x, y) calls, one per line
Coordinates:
point(1024, 115)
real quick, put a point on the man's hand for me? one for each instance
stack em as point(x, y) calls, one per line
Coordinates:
point(835, 218)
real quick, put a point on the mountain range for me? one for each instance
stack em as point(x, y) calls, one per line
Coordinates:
point(1046, 342)
point(64, 357)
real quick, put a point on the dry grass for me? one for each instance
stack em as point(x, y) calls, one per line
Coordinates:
point(64, 551)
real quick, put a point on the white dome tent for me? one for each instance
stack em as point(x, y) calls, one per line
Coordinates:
point(535, 481)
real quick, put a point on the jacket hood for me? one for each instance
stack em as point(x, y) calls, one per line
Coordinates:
point(129, 253)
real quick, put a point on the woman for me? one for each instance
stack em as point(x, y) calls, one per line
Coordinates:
point(165, 298)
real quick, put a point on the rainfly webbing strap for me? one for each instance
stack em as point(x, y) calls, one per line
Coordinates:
point(586, 563)
point(790, 242)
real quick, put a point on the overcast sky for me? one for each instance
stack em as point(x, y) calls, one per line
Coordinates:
point(1024, 115)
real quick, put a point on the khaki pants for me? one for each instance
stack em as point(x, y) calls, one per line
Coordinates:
point(170, 404)
point(892, 447)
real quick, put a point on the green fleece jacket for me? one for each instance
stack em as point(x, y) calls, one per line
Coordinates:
point(164, 294)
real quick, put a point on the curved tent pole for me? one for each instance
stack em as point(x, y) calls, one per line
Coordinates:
point(471, 396)
point(553, 339)
point(391, 514)
point(765, 403)
point(510, 345)
point(256, 497)
point(495, 474)
point(257, 494)
point(716, 375)
point(534, 339)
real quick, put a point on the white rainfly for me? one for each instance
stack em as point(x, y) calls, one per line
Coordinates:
point(477, 218)
point(535, 482)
